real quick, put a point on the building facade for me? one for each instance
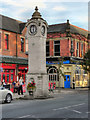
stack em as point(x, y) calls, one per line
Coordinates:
point(67, 43)
point(65, 47)
point(13, 59)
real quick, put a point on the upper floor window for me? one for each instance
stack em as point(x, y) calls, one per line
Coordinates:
point(82, 49)
point(6, 41)
point(22, 44)
point(71, 43)
point(47, 48)
point(71, 50)
point(57, 48)
point(26, 45)
point(77, 50)
point(0, 40)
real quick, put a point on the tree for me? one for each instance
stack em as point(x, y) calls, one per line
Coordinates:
point(86, 64)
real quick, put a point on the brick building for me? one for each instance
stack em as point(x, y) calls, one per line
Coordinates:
point(63, 41)
point(69, 42)
point(13, 59)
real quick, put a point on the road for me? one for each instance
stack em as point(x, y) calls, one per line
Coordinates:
point(71, 105)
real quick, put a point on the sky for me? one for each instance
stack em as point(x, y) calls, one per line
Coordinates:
point(54, 12)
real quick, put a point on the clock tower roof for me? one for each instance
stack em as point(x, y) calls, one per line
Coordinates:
point(36, 14)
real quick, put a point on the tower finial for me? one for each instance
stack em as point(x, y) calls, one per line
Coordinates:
point(36, 14)
point(36, 8)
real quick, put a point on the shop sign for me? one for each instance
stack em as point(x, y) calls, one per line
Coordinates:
point(22, 67)
point(8, 66)
point(50, 63)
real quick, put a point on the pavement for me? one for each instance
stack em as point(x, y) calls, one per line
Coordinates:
point(56, 92)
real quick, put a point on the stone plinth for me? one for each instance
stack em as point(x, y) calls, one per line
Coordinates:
point(41, 81)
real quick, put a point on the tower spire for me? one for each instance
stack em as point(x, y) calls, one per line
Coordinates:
point(36, 14)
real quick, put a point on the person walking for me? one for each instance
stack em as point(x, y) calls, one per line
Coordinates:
point(73, 83)
point(20, 89)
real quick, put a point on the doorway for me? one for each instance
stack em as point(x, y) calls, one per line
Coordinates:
point(67, 81)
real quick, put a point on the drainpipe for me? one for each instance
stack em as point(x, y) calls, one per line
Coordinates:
point(16, 57)
point(16, 45)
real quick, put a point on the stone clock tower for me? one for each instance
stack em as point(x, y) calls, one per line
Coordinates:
point(36, 35)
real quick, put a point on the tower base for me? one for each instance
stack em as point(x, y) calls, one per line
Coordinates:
point(41, 83)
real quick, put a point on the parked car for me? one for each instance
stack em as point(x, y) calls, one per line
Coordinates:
point(5, 95)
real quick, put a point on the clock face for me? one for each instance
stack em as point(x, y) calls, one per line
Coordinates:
point(43, 30)
point(33, 29)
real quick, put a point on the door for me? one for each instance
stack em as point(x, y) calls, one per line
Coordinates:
point(67, 81)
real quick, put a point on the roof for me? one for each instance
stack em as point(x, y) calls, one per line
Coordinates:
point(9, 24)
point(62, 29)
point(16, 26)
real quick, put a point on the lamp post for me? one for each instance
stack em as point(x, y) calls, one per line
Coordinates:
point(72, 51)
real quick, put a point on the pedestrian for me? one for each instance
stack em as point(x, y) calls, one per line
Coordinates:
point(0, 83)
point(20, 89)
point(16, 87)
point(73, 83)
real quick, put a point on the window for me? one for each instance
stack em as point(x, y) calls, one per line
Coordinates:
point(82, 50)
point(0, 77)
point(7, 77)
point(3, 77)
point(0, 40)
point(11, 77)
point(77, 50)
point(71, 43)
point(71, 50)
point(22, 44)
point(47, 48)
point(26, 45)
point(6, 41)
point(57, 48)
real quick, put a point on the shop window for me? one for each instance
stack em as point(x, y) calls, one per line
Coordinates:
point(11, 77)
point(22, 44)
point(6, 41)
point(12, 71)
point(47, 48)
point(0, 40)
point(57, 48)
point(77, 72)
point(7, 77)
point(23, 77)
point(7, 71)
point(84, 72)
point(3, 77)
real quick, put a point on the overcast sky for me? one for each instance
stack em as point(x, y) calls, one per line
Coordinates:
point(55, 12)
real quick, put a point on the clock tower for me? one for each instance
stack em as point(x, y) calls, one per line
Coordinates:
point(36, 35)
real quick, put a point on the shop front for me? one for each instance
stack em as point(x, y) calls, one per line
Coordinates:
point(7, 72)
point(81, 78)
point(22, 71)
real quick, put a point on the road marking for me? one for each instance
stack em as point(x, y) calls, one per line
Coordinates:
point(68, 107)
point(88, 112)
point(75, 111)
point(25, 116)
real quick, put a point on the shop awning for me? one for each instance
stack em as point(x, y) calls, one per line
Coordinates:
point(13, 60)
